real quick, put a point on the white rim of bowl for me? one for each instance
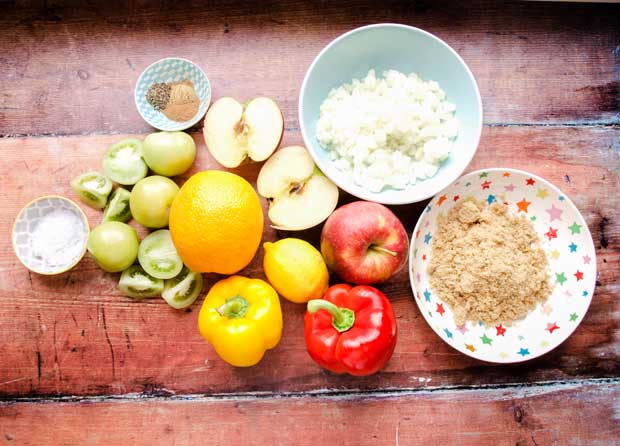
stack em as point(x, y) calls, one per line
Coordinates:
point(68, 267)
point(364, 195)
point(186, 124)
point(568, 200)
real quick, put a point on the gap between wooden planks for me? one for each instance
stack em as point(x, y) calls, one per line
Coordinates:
point(543, 415)
point(72, 70)
point(75, 334)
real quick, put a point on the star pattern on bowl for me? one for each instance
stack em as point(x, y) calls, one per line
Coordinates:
point(570, 252)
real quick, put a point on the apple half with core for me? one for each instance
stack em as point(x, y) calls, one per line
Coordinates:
point(364, 243)
point(235, 131)
point(299, 195)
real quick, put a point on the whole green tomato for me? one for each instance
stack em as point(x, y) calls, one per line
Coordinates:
point(151, 199)
point(113, 245)
point(169, 153)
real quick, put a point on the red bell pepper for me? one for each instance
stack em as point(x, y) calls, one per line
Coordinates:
point(351, 330)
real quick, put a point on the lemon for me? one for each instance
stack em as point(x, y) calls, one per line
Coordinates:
point(296, 269)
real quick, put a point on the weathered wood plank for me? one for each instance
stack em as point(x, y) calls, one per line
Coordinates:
point(71, 70)
point(75, 334)
point(579, 415)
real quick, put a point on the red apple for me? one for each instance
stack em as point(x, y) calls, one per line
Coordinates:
point(364, 243)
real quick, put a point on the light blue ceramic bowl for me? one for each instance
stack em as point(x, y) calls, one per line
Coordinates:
point(406, 49)
point(171, 69)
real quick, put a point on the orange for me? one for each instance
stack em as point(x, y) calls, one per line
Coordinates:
point(216, 222)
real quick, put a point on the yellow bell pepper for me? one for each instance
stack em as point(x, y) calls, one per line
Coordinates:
point(241, 318)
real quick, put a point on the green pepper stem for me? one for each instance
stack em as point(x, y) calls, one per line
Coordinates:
point(234, 307)
point(343, 318)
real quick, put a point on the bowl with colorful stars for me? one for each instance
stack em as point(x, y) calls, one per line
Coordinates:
point(567, 244)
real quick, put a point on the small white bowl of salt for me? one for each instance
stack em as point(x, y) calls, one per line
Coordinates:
point(50, 235)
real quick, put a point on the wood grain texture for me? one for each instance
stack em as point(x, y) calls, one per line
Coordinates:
point(74, 334)
point(71, 69)
point(541, 416)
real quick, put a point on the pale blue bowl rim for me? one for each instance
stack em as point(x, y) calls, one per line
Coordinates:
point(186, 124)
point(370, 196)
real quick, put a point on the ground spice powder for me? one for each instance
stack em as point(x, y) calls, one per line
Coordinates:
point(178, 100)
point(184, 103)
point(158, 95)
point(488, 265)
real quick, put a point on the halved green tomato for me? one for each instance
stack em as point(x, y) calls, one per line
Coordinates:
point(93, 189)
point(158, 256)
point(123, 162)
point(117, 208)
point(182, 290)
point(138, 284)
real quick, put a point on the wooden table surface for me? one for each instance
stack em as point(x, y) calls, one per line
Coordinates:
point(81, 364)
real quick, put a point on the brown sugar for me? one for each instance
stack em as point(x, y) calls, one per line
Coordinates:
point(487, 265)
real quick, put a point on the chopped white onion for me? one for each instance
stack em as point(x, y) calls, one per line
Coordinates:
point(387, 132)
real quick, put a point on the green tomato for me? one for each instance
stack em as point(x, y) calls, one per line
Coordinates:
point(151, 199)
point(158, 256)
point(113, 245)
point(93, 189)
point(169, 153)
point(117, 208)
point(123, 162)
point(182, 290)
point(138, 284)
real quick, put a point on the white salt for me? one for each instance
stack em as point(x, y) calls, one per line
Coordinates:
point(57, 238)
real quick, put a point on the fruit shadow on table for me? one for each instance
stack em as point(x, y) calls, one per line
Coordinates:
point(408, 214)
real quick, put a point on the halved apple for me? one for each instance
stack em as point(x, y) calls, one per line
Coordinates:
point(234, 131)
point(299, 195)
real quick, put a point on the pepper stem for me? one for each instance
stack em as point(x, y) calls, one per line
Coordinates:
point(343, 318)
point(234, 307)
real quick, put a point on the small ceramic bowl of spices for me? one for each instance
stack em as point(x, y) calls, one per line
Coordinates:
point(50, 235)
point(172, 94)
